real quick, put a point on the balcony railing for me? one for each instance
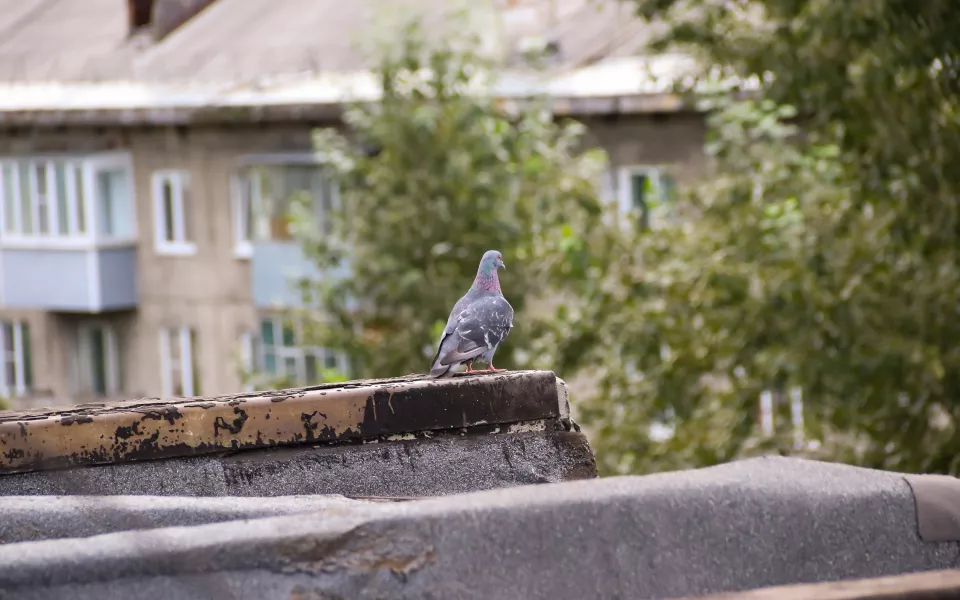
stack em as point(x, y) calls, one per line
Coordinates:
point(67, 233)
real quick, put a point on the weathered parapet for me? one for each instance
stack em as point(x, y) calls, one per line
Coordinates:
point(740, 526)
point(369, 490)
point(407, 436)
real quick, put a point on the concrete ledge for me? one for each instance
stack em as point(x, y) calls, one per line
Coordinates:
point(443, 464)
point(735, 527)
point(351, 412)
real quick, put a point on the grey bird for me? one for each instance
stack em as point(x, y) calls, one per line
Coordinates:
point(478, 323)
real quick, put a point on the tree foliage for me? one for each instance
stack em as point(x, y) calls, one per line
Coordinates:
point(820, 254)
point(825, 258)
point(433, 175)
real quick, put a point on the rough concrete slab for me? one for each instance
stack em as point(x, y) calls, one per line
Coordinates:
point(739, 526)
point(444, 464)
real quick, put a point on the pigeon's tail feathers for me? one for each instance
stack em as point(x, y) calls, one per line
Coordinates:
point(440, 371)
point(457, 356)
point(440, 367)
point(444, 366)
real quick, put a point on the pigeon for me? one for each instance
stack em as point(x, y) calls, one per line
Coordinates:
point(478, 323)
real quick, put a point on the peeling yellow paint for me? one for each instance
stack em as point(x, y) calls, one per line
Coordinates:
point(152, 428)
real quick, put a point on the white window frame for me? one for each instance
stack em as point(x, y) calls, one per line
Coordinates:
point(17, 387)
point(625, 174)
point(248, 356)
point(605, 186)
point(38, 200)
point(179, 182)
point(242, 215)
point(84, 364)
point(182, 336)
point(243, 244)
point(625, 183)
point(297, 352)
point(86, 166)
point(109, 163)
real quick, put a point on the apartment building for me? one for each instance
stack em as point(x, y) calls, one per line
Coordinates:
point(147, 152)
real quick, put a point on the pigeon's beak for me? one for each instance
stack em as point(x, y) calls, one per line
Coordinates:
point(503, 265)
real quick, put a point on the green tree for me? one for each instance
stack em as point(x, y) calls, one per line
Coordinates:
point(433, 175)
point(824, 258)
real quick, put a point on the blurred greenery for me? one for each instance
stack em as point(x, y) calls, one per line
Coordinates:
point(820, 254)
point(825, 261)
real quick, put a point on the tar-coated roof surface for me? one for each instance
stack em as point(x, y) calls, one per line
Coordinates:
point(239, 40)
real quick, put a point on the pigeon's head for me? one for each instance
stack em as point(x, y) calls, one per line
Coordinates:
point(491, 261)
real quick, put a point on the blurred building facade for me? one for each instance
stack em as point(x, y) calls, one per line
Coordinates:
point(147, 148)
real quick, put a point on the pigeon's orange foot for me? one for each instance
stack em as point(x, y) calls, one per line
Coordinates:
point(469, 369)
point(493, 369)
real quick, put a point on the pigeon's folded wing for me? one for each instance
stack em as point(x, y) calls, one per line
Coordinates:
point(480, 328)
point(470, 342)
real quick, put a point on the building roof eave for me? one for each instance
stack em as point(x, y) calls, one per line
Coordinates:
point(627, 85)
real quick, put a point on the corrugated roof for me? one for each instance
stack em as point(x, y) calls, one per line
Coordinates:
point(591, 31)
point(63, 40)
point(63, 55)
point(240, 40)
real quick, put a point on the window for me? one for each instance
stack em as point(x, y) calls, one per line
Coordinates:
point(605, 186)
point(180, 375)
point(62, 203)
point(77, 192)
point(279, 354)
point(57, 199)
point(243, 189)
point(41, 195)
point(248, 350)
point(647, 190)
point(16, 371)
point(114, 209)
point(97, 361)
point(170, 205)
point(263, 195)
point(8, 177)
